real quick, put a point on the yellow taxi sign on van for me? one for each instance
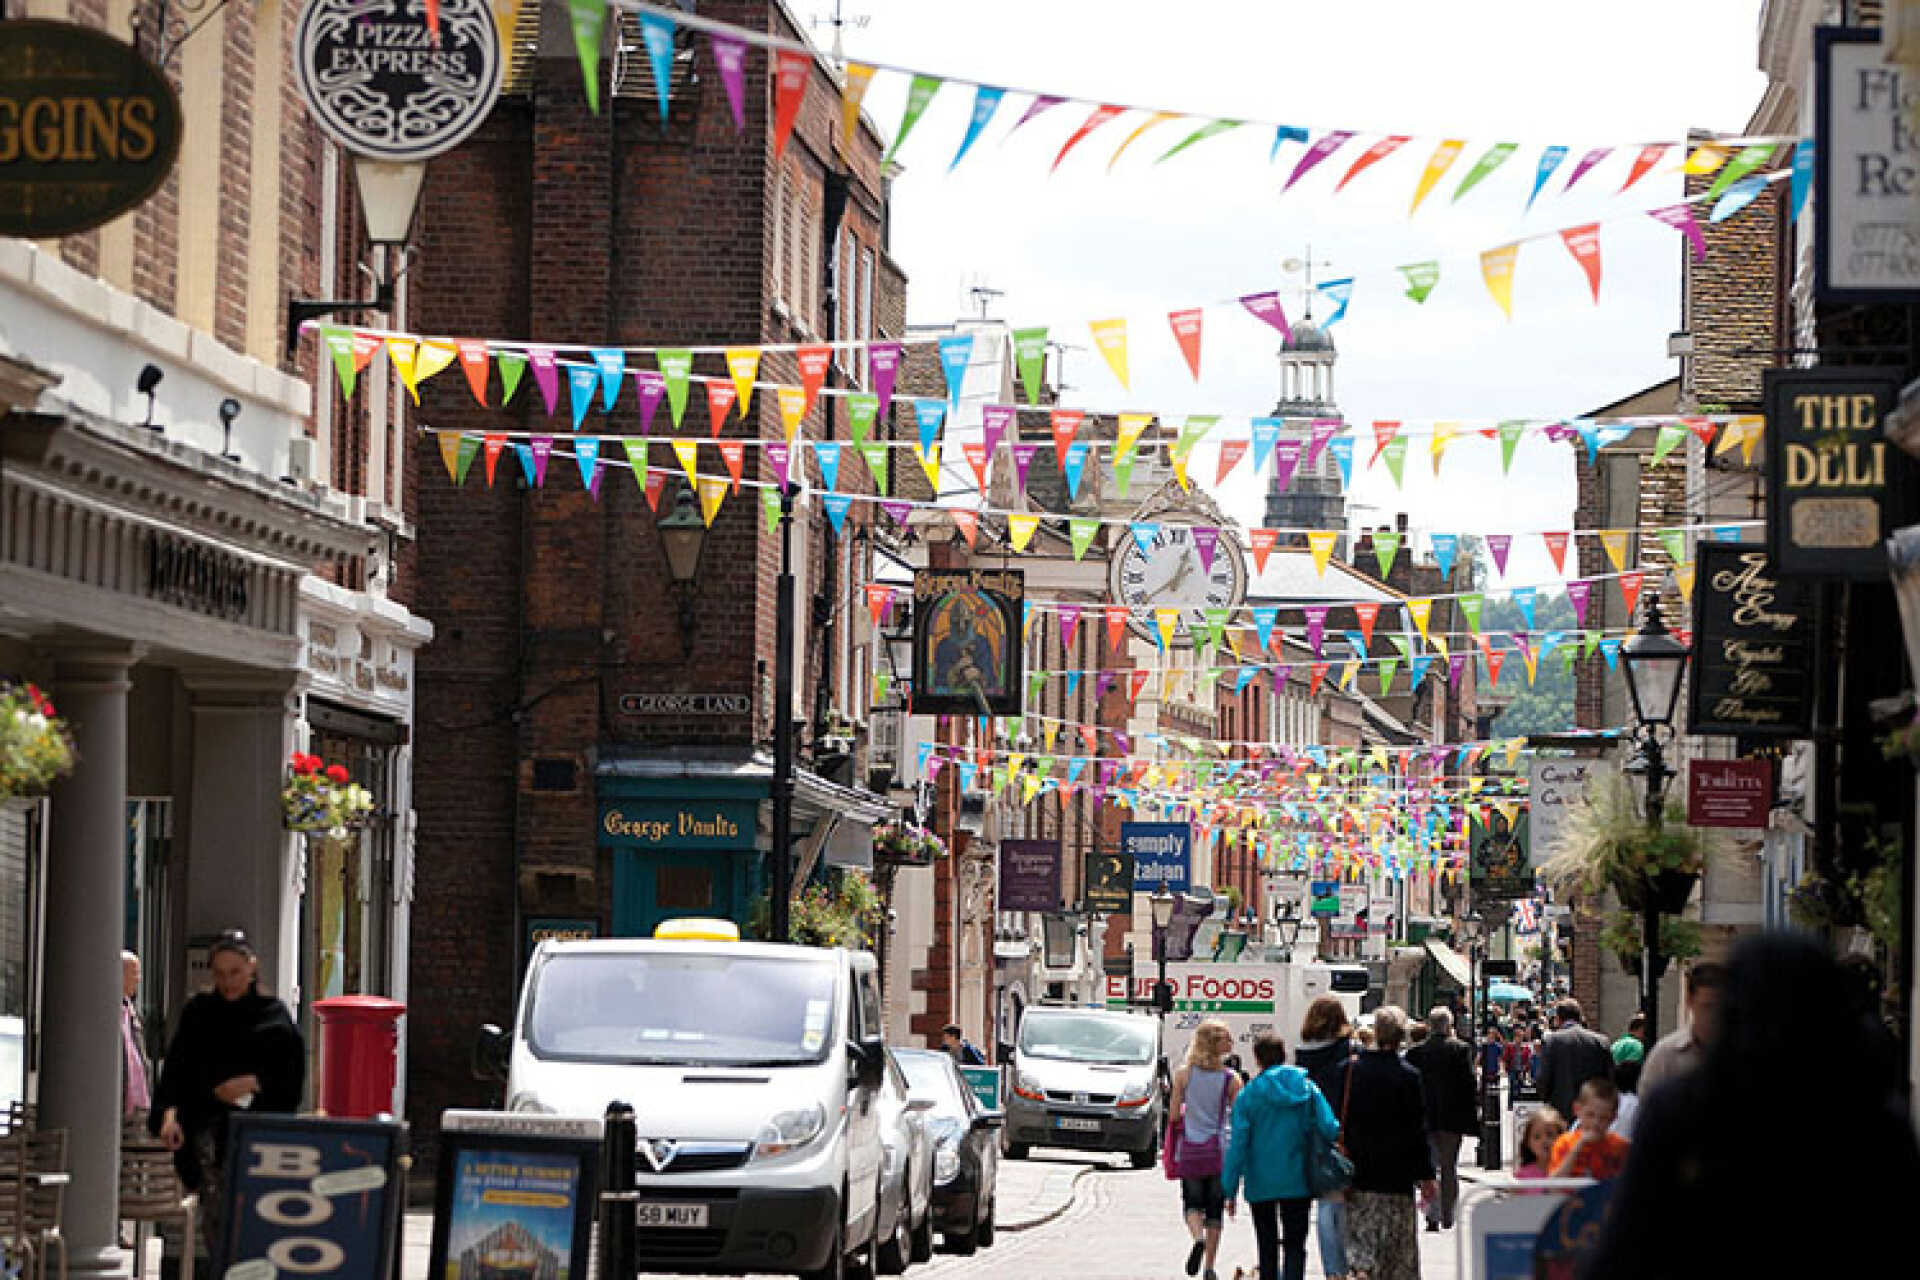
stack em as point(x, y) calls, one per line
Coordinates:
point(697, 929)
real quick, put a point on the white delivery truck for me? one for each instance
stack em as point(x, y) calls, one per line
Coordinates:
point(1249, 998)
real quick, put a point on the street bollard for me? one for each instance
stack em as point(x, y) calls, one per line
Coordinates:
point(619, 1224)
point(1490, 1127)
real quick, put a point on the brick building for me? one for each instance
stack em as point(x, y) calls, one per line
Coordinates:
point(548, 728)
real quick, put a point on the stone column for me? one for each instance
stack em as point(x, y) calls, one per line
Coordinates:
point(86, 892)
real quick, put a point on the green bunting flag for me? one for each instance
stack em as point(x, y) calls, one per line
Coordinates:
point(1749, 159)
point(919, 94)
point(1212, 129)
point(1664, 443)
point(1030, 353)
point(469, 450)
point(1470, 606)
point(339, 342)
point(511, 364)
point(1498, 154)
point(1387, 668)
point(589, 23)
point(875, 453)
point(1123, 474)
point(676, 366)
point(862, 408)
point(1589, 641)
point(1421, 277)
point(1395, 453)
point(1082, 529)
point(1216, 624)
point(1510, 433)
point(770, 508)
point(1675, 541)
point(1386, 545)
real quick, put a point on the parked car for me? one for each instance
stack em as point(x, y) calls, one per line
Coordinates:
point(755, 1071)
point(906, 1192)
point(966, 1149)
point(1088, 1079)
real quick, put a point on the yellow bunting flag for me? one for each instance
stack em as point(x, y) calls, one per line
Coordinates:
point(432, 357)
point(402, 352)
point(1020, 528)
point(450, 453)
point(1706, 158)
point(1111, 337)
point(930, 463)
point(1132, 426)
point(1320, 543)
point(1158, 117)
point(1614, 541)
point(713, 491)
point(859, 75)
point(1743, 431)
point(793, 407)
point(1514, 747)
point(1180, 457)
point(1496, 268)
point(1439, 644)
point(1443, 434)
point(1683, 578)
point(1029, 787)
point(1420, 610)
point(743, 366)
point(1348, 670)
point(688, 451)
point(1437, 165)
point(1164, 621)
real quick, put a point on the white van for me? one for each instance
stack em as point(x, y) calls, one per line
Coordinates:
point(753, 1071)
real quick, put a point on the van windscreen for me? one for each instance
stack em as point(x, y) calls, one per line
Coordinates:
point(688, 1008)
point(1087, 1037)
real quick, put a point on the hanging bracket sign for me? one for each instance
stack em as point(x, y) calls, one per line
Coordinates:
point(1835, 486)
point(1753, 640)
point(380, 82)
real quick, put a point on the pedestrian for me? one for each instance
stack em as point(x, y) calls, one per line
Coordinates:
point(1590, 1149)
point(1445, 1065)
point(1364, 1037)
point(1682, 1050)
point(1326, 1047)
point(963, 1051)
point(1570, 1057)
point(1628, 1059)
point(1636, 1033)
point(1493, 1051)
point(235, 1049)
point(1694, 1200)
point(136, 1082)
point(1533, 1152)
point(1203, 1094)
point(1386, 1136)
point(1237, 1067)
point(1416, 1036)
point(1268, 1152)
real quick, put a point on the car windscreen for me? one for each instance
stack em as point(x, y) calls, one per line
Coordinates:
point(931, 1075)
point(682, 1008)
point(1087, 1038)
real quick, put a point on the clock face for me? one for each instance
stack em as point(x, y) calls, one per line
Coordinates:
point(1168, 572)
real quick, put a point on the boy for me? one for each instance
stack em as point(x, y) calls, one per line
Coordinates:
point(1588, 1150)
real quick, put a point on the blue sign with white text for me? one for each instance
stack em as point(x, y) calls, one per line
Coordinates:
point(1162, 854)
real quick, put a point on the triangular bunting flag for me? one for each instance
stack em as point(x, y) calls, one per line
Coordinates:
point(1111, 337)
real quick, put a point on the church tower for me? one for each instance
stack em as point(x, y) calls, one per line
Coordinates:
point(1315, 499)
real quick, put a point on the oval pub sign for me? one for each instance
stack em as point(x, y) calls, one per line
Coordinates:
point(88, 128)
point(382, 84)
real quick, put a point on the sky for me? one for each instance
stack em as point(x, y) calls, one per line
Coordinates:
point(1211, 224)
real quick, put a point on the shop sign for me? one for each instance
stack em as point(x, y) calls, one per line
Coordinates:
point(1865, 210)
point(1729, 793)
point(196, 577)
point(967, 626)
point(1029, 875)
point(1109, 882)
point(88, 128)
point(382, 84)
point(1753, 645)
point(541, 929)
point(514, 1203)
point(1499, 866)
point(1162, 854)
point(1556, 790)
point(310, 1196)
point(1835, 486)
point(687, 824)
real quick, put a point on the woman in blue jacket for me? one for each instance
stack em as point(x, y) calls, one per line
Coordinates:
point(1268, 1151)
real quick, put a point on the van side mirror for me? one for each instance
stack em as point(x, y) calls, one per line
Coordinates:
point(869, 1063)
point(491, 1053)
point(990, 1120)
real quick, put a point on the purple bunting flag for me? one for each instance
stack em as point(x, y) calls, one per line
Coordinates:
point(883, 365)
point(1206, 540)
point(1323, 146)
point(1022, 458)
point(651, 387)
point(1266, 307)
point(994, 421)
point(1286, 459)
point(1578, 592)
point(730, 56)
point(546, 374)
point(1499, 544)
point(1324, 430)
point(1680, 218)
point(1316, 626)
point(1069, 623)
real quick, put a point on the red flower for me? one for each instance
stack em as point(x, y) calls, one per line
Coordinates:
point(304, 764)
point(337, 774)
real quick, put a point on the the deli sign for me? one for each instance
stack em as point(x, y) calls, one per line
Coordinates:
point(88, 128)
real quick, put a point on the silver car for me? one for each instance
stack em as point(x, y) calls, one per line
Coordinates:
point(905, 1230)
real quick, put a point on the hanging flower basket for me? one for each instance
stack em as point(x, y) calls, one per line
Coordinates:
point(1667, 891)
point(36, 750)
point(902, 845)
point(322, 798)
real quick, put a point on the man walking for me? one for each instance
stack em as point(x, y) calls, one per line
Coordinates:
point(1679, 1052)
point(1446, 1081)
point(962, 1050)
point(1571, 1056)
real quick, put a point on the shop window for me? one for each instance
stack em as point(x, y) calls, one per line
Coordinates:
point(683, 888)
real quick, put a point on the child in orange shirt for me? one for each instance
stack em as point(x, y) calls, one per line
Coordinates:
point(1589, 1150)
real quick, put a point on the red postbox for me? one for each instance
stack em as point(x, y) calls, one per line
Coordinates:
point(359, 1054)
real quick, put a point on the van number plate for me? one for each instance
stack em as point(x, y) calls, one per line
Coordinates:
point(672, 1215)
point(1076, 1122)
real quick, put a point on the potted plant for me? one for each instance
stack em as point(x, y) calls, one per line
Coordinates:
point(35, 747)
point(906, 845)
point(847, 912)
point(1609, 844)
point(322, 799)
point(1679, 939)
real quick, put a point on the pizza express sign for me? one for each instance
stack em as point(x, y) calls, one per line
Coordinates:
point(383, 84)
point(88, 128)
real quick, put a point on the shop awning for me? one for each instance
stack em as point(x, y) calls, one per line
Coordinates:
point(1451, 962)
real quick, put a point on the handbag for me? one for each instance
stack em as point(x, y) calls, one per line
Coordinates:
point(1170, 1150)
point(1198, 1159)
point(1329, 1169)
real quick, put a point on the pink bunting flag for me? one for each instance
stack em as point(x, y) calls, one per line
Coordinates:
point(1206, 540)
point(1322, 147)
point(1324, 429)
point(994, 421)
point(730, 56)
point(546, 375)
point(1022, 458)
point(1266, 307)
point(1069, 623)
point(1499, 544)
point(650, 386)
point(1680, 218)
point(883, 365)
point(1587, 162)
point(1231, 451)
point(1186, 332)
point(899, 511)
point(779, 456)
point(1097, 117)
point(1578, 592)
point(1286, 459)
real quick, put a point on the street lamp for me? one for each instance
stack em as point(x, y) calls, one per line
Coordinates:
point(682, 534)
point(1655, 664)
point(1162, 904)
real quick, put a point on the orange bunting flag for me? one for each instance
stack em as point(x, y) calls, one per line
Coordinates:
point(495, 444)
point(1099, 116)
point(1497, 268)
point(1135, 683)
point(450, 453)
point(1065, 423)
point(1262, 541)
point(719, 404)
point(879, 600)
point(1442, 159)
point(1373, 155)
point(1368, 614)
point(1383, 433)
point(734, 454)
point(1583, 243)
point(1630, 584)
point(1117, 615)
point(967, 523)
point(1111, 337)
point(1702, 428)
point(1557, 548)
point(790, 70)
point(1186, 331)
point(859, 75)
point(1316, 673)
point(655, 485)
point(976, 455)
point(1231, 451)
point(813, 372)
point(474, 361)
point(1643, 163)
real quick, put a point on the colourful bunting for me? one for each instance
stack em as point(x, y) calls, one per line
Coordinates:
point(1680, 218)
point(1099, 116)
point(986, 101)
point(1111, 337)
point(730, 55)
point(1497, 269)
point(1549, 161)
point(791, 68)
point(1320, 543)
point(1584, 244)
point(1437, 165)
point(1373, 155)
point(1020, 527)
point(1421, 278)
point(1496, 155)
point(920, 92)
point(1186, 332)
point(589, 20)
point(1320, 149)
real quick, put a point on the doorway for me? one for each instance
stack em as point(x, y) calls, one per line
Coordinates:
point(651, 887)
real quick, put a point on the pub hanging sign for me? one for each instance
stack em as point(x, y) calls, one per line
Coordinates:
point(1835, 487)
point(967, 641)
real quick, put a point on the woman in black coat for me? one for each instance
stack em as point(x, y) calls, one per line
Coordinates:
point(235, 1049)
point(1386, 1137)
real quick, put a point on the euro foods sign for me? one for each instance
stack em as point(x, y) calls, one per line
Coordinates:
point(382, 83)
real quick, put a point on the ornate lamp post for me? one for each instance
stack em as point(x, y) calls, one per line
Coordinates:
point(682, 534)
point(1655, 663)
point(1163, 903)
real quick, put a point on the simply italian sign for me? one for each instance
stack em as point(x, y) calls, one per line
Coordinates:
point(1162, 854)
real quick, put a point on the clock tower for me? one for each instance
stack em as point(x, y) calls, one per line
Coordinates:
point(1315, 498)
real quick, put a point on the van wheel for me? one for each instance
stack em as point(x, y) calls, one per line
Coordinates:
point(963, 1242)
point(859, 1264)
point(836, 1268)
point(1144, 1159)
point(923, 1238)
point(891, 1257)
point(1014, 1150)
point(984, 1232)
